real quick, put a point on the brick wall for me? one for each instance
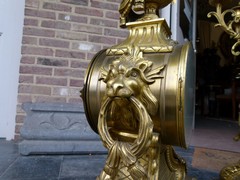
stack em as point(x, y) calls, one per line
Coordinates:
point(59, 39)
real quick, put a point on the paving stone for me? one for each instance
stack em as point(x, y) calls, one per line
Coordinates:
point(6, 162)
point(186, 154)
point(201, 174)
point(8, 147)
point(34, 167)
point(74, 167)
point(8, 154)
point(82, 167)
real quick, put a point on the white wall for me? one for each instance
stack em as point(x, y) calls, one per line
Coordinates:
point(165, 13)
point(175, 23)
point(171, 13)
point(11, 26)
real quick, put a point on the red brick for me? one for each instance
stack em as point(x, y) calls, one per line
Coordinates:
point(79, 64)
point(20, 118)
point(90, 56)
point(56, 25)
point(65, 91)
point(49, 99)
point(102, 39)
point(116, 33)
point(60, 91)
point(115, 1)
point(37, 51)
point(77, 100)
point(24, 98)
point(38, 32)
point(30, 22)
point(112, 15)
point(19, 109)
point(103, 22)
point(29, 40)
point(85, 64)
point(33, 89)
point(72, 18)
point(52, 62)
point(86, 46)
point(26, 79)
point(17, 137)
point(76, 2)
point(57, 7)
point(103, 5)
point(17, 128)
point(88, 29)
point(74, 91)
point(120, 40)
point(32, 3)
point(35, 70)
point(75, 64)
point(89, 12)
point(27, 60)
point(53, 43)
point(51, 81)
point(76, 82)
point(70, 54)
point(71, 35)
point(40, 13)
point(58, 43)
point(68, 72)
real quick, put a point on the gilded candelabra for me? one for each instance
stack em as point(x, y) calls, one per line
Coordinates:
point(232, 27)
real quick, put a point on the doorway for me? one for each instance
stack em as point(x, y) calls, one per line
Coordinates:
point(217, 85)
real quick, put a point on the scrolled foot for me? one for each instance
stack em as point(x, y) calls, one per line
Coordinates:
point(237, 137)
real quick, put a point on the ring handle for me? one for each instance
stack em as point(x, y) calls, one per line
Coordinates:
point(143, 140)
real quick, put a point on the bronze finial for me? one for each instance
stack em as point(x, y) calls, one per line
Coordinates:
point(135, 9)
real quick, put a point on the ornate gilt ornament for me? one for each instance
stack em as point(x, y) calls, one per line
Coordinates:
point(147, 8)
point(127, 109)
point(149, 36)
point(233, 26)
point(139, 96)
point(125, 125)
point(149, 32)
point(231, 172)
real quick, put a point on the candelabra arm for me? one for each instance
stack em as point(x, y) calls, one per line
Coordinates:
point(220, 18)
point(234, 47)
